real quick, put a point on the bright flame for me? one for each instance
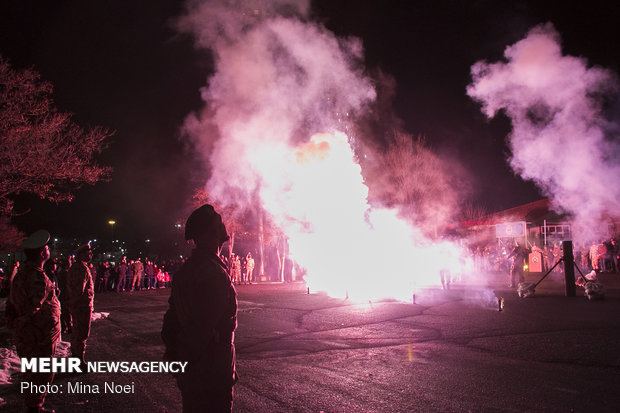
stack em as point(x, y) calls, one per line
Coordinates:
point(348, 249)
point(277, 76)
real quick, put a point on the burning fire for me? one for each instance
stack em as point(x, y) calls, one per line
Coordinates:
point(278, 73)
point(348, 248)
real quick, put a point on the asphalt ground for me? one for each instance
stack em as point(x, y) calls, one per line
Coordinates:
point(451, 351)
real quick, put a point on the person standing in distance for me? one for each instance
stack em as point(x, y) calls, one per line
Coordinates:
point(249, 266)
point(33, 314)
point(202, 317)
point(519, 256)
point(80, 293)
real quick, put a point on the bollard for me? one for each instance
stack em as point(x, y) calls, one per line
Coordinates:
point(569, 269)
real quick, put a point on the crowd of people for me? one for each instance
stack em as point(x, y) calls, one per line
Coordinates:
point(146, 273)
point(134, 274)
point(601, 256)
point(65, 291)
point(43, 291)
point(512, 258)
point(124, 275)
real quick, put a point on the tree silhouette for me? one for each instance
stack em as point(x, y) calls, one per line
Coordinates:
point(409, 176)
point(42, 151)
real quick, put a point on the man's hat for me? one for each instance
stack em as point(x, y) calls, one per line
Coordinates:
point(205, 220)
point(82, 248)
point(36, 240)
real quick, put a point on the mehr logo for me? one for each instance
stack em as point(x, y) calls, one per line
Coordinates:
point(51, 365)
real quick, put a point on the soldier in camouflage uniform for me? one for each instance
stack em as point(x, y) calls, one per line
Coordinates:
point(200, 322)
point(138, 272)
point(33, 314)
point(80, 293)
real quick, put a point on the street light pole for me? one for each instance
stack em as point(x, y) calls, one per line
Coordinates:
point(112, 223)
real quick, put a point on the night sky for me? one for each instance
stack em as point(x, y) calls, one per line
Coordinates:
point(120, 65)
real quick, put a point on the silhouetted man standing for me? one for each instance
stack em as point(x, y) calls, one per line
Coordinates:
point(201, 319)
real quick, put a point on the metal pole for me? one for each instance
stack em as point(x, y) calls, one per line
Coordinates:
point(525, 234)
point(569, 269)
point(548, 272)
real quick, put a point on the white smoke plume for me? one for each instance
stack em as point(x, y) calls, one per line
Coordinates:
point(560, 138)
point(276, 129)
point(278, 80)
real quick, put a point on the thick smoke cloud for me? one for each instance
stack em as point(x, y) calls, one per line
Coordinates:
point(560, 138)
point(278, 79)
point(279, 113)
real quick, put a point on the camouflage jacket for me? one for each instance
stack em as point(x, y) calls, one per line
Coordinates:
point(33, 304)
point(80, 290)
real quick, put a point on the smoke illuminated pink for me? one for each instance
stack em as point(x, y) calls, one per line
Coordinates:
point(560, 139)
point(283, 91)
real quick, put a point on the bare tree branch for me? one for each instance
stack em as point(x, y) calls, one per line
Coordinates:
point(42, 151)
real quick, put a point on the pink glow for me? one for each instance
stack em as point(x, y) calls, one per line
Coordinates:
point(283, 92)
point(348, 248)
point(560, 138)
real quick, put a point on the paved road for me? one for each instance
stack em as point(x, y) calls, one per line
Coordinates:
point(450, 352)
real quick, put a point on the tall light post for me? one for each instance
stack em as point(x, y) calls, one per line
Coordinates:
point(112, 223)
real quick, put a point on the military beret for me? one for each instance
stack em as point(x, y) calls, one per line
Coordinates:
point(36, 240)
